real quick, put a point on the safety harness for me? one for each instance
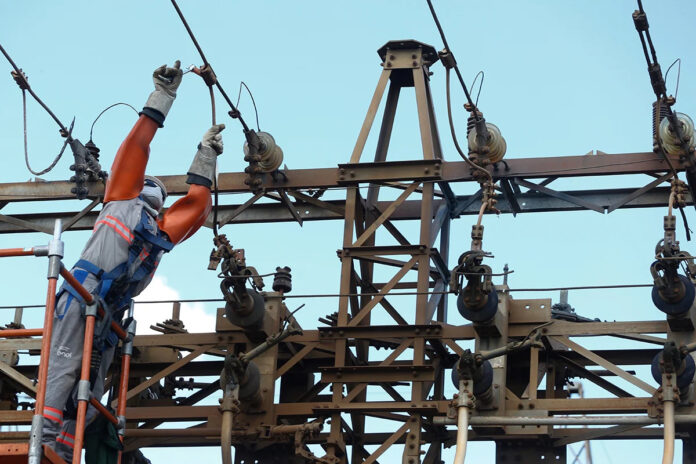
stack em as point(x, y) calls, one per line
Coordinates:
point(117, 287)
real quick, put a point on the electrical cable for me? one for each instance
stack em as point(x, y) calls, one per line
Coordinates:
point(26, 145)
point(659, 88)
point(676, 90)
point(21, 80)
point(483, 75)
point(235, 111)
point(21, 75)
point(91, 129)
point(339, 295)
point(452, 130)
point(477, 118)
point(239, 96)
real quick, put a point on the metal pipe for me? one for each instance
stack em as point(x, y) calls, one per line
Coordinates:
point(212, 433)
point(462, 420)
point(668, 454)
point(84, 377)
point(13, 333)
point(491, 421)
point(105, 412)
point(55, 254)
point(226, 437)
point(82, 291)
point(89, 299)
point(9, 252)
point(462, 434)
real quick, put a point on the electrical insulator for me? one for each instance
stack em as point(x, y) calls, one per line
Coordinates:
point(670, 141)
point(496, 143)
point(482, 378)
point(282, 280)
point(270, 155)
point(685, 372)
point(657, 119)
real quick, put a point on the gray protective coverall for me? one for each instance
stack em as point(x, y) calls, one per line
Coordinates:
point(114, 238)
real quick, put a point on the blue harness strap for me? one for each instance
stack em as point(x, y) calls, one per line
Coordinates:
point(117, 286)
point(80, 275)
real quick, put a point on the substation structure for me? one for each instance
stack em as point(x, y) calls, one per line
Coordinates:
point(326, 373)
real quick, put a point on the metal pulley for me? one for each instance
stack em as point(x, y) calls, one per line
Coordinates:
point(245, 309)
point(672, 360)
point(669, 138)
point(470, 366)
point(245, 376)
point(477, 301)
point(269, 154)
point(495, 146)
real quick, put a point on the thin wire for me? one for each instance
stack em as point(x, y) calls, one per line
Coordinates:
point(585, 287)
point(339, 295)
point(454, 134)
point(104, 111)
point(26, 145)
point(286, 321)
point(678, 60)
point(239, 96)
point(31, 92)
point(483, 75)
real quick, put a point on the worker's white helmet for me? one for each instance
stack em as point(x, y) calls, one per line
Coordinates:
point(154, 192)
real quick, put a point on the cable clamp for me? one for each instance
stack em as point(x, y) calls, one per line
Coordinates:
point(21, 79)
point(641, 21)
point(447, 58)
point(92, 309)
point(207, 73)
point(83, 390)
point(121, 427)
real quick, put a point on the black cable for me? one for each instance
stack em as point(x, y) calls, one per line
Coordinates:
point(676, 90)
point(454, 134)
point(483, 75)
point(215, 206)
point(235, 112)
point(659, 88)
point(31, 92)
point(107, 109)
point(477, 118)
point(26, 145)
point(251, 95)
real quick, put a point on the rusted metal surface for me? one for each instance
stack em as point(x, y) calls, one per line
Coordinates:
point(331, 373)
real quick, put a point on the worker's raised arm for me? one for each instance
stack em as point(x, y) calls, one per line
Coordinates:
point(189, 213)
point(128, 169)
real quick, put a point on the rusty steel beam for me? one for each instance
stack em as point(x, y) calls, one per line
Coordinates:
point(529, 202)
point(325, 178)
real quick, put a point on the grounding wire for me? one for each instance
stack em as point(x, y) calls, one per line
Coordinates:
point(347, 295)
point(23, 83)
point(452, 130)
point(239, 96)
point(235, 113)
point(107, 109)
point(478, 94)
point(676, 90)
point(477, 118)
point(26, 144)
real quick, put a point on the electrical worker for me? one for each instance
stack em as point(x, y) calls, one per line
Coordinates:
point(121, 256)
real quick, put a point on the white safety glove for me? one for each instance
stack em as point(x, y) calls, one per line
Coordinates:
point(166, 81)
point(202, 170)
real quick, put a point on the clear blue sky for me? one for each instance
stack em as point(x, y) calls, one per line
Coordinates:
point(562, 78)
